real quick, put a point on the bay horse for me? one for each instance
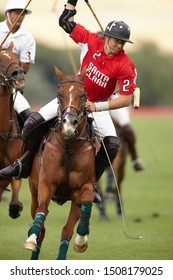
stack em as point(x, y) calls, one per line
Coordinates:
point(66, 171)
point(11, 79)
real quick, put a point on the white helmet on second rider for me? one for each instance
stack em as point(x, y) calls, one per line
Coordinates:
point(17, 4)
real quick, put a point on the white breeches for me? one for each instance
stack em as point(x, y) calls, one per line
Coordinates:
point(20, 102)
point(102, 123)
point(49, 111)
point(121, 116)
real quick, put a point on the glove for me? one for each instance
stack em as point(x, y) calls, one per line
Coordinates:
point(68, 26)
point(72, 2)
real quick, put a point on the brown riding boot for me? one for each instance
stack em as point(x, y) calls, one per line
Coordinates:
point(21, 168)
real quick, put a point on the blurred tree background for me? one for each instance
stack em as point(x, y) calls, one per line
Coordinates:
point(155, 70)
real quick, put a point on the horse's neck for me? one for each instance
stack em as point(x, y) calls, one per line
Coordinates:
point(6, 109)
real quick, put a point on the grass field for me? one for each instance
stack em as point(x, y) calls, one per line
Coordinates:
point(143, 194)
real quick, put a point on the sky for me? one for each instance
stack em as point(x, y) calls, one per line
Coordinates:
point(149, 20)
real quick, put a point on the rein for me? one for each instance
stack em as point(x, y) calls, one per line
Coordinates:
point(5, 77)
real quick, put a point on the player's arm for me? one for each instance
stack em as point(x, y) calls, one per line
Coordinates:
point(66, 20)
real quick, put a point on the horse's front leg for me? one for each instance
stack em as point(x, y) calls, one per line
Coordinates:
point(15, 206)
point(81, 240)
point(68, 230)
point(37, 230)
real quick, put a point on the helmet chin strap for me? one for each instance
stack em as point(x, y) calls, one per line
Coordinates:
point(8, 18)
point(107, 46)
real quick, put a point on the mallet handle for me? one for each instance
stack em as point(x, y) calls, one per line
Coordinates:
point(136, 95)
point(92, 11)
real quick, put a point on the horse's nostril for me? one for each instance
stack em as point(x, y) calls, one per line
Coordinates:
point(75, 122)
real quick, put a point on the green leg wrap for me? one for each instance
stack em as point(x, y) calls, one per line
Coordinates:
point(62, 255)
point(83, 227)
point(37, 224)
point(35, 255)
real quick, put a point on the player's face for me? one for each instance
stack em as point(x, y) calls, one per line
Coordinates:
point(113, 45)
point(13, 15)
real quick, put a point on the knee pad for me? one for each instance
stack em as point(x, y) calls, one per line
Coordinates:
point(111, 144)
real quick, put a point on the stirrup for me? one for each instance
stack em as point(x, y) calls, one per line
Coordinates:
point(20, 170)
point(97, 197)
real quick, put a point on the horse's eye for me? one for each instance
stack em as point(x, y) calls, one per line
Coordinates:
point(83, 96)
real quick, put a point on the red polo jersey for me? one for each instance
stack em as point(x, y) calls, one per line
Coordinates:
point(103, 72)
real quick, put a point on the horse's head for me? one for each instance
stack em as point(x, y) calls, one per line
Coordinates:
point(11, 73)
point(72, 99)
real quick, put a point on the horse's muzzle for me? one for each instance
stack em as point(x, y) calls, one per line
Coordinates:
point(18, 79)
point(69, 125)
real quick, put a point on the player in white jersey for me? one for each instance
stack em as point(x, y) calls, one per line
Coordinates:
point(24, 46)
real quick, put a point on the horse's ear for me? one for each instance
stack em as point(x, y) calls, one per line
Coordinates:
point(11, 45)
point(83, 73)
point(59, 74)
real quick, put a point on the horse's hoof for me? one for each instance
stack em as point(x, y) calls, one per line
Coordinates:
point(81, 243)
point(104, 218)
point(15, 210)
point(80, 249)
point(31, 243)
point(30, 246)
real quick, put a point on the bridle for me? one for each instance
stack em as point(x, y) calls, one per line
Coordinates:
point(11, 70)
point(7, 79)
point(66, 110)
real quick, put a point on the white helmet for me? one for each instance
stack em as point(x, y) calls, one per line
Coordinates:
point(17, 4)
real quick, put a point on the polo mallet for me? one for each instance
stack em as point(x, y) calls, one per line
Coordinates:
point(92, 11)
point(15, 23)
point(136, 95)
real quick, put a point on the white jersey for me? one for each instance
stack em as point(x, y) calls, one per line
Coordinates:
point(24, 43)
point(25, 47)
